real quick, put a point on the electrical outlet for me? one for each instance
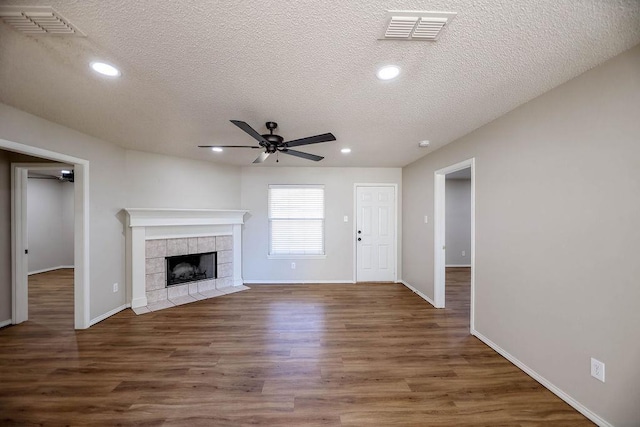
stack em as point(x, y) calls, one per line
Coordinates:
point(426, 219)
point(293, 265)
point(597, 369)
point(346, 218)
point(464, 253)
point(115, 287)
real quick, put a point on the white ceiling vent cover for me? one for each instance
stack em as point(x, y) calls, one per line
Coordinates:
point(38, 20)
point(415, 25)
point(400, 27)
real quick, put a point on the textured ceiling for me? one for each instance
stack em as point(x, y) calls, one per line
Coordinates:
point(190, 66)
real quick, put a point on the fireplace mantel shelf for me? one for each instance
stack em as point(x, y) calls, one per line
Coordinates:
point(158, 217)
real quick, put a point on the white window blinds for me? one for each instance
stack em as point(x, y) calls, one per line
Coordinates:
point(296, 219)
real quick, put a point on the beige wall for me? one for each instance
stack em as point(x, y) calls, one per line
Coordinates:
point(5, 237)
point(557, 208)
point(106, 180)
point(118, 179)
point(50, 228)
point(158, 181)
point(458, 222)
point(339, 187)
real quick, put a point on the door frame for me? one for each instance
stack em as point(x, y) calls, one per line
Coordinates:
point(439, 234)
point(355, 225)
point(81, 255)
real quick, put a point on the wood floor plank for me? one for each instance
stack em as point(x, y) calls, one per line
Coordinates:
point(277, 355)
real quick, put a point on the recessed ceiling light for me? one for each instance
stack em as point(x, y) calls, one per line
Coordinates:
point(424, 143)
point(217, 149)
point(105, 69)
point(346, 150)
point(388, 72)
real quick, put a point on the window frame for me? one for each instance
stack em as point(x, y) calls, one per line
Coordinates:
point(269, 220)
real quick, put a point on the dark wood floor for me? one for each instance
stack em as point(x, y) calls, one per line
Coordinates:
point(301, 355)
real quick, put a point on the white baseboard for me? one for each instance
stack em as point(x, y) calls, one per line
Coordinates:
point(546, 383)
point(458, 265)
point(296, 282)
point(5, 323)
point(44, 270)
point(417, 292)
point(108, 314)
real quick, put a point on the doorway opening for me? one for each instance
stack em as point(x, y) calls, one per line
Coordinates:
point(19, 235)
point(454, 240)
point(50, 233)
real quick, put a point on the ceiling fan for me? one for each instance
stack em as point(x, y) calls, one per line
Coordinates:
point(272, 143)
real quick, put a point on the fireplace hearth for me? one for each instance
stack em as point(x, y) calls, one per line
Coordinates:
point(182, 269)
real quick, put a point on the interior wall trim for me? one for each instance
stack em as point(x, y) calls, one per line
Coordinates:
point(542, 380)
point(109, 314)
point(419, 293)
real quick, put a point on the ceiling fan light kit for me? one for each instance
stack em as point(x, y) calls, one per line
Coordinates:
point(275, 144)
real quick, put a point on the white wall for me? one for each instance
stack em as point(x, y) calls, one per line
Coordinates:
point(49, 247)
point(158, 181)
point(339, 189)
point(5, 237)
point(557, 237)
point(458, 222)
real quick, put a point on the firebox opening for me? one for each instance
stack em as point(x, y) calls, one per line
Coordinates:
point(191, 268)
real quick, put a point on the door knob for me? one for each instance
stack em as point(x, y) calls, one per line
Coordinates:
point(359, 239)
point(359, 231)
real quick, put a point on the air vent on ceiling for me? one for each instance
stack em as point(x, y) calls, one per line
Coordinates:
point(38, 20)
point(415, 25)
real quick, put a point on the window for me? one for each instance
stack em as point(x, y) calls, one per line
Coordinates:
point(296, 220)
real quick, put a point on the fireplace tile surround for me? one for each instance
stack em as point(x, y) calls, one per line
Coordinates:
point(153, 234)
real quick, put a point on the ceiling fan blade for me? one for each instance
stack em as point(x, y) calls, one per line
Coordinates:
point(303, 155)
point(325, 137)
point(230, 146)
point(262, 157)
point(248, 129)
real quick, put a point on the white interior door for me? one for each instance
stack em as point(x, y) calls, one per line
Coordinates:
point(375, 233)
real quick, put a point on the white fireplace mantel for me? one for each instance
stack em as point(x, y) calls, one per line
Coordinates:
point(170, 217)
point(147, 224)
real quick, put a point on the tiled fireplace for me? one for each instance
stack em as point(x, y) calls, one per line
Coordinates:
point(171, 255)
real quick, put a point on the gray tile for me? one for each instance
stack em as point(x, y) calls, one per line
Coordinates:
point(206, 285)
point(185, 299)
point(212, 293)
point(141, 310)
point(155, 248)
point(177, 247)
point(225, 257)
point(193, 245)
point(225, 282)
point(193, 288)
point(206, 244)
point(160, 305)
point(177, 291)
point(155, 296)
point(154, 265)
point(198, 296)
point(225, 270)
point(224, 243)
point(155, 281)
